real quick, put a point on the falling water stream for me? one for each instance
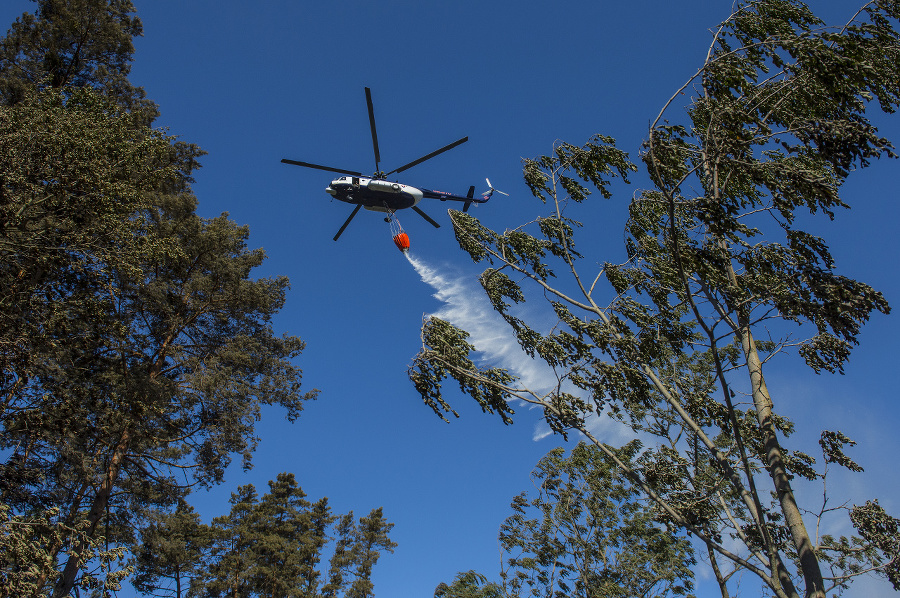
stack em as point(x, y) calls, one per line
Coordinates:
point(464, 304)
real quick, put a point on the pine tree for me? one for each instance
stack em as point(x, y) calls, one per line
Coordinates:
point(70, 44)
point(232, 568)
point(273, 547)
point(292, 534)
point(371, 539)
point(172, 550)
point(136, 348)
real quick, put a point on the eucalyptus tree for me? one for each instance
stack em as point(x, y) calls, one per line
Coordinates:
point(585, 532)
point(469, 584)
point(674, 345)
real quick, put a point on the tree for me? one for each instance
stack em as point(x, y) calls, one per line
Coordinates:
point(70, 44)
point(230, 569)
point(172, 550)
point(469, 585)
point(357, 549)
point(184, 358)
point(273, 546)
point(187, 362)
point(25, 562)
point(75, 174)
point(291, 534)
point(370, 538)
point(136, 349)
point(715, 254)
point(585, 533)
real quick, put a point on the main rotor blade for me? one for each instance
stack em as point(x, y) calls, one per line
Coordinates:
point(430, 156)
point(352, 214)
point(328, 168)
point(372, 125)
point(425, 216)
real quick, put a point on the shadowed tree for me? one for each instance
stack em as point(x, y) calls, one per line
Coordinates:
point(272, 547)
point(172, 550)
point(184, 358)
point(231, 569)
point(68, 44)
point(136, 348)
point(290, 538)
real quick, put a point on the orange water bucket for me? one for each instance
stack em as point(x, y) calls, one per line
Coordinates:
point(401, 240)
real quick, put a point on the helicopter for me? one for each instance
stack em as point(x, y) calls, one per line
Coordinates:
point(378, 194)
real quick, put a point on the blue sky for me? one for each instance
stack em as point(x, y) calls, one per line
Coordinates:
point(252, 83)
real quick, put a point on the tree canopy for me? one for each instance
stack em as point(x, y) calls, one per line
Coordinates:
point(674, 346)
point(136, 348)
point(585, 531)
point(271, 546)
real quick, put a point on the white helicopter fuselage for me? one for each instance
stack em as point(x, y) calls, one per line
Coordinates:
point(377, 195)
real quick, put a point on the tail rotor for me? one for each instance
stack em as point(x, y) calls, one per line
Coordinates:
point(487, 194)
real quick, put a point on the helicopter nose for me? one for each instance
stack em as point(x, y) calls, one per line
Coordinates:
point(330, 191)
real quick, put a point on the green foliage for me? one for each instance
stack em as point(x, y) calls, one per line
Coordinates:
point(716, 257)
point(595, 162)
point(231, 569)
point(880, 530)
point(71, 44)
point(182, 357)
point(367, 540)
point(832, 444)
point(74, 179)
point(26, 565)
point(169, 558)
point(273, 547)
point(136, 348)
point(469, 585)
point(586, 533)
point(487, 387)
point(583, 532)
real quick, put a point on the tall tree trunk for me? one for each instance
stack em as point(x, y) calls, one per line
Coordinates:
point(67, 579)
point(809, 564)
